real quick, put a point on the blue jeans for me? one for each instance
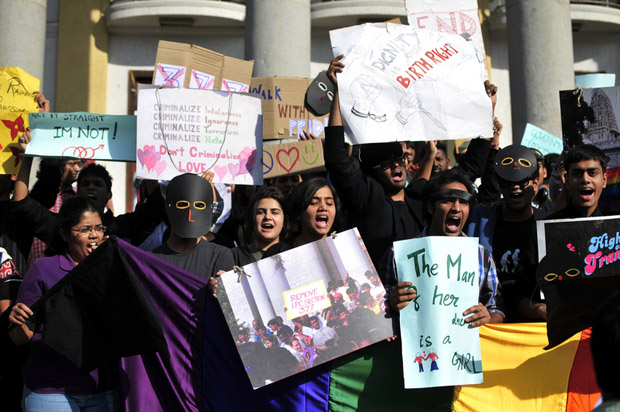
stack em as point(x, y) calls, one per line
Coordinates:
point(59, 402)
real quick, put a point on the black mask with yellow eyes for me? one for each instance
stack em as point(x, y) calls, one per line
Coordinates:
point(559, 265)
point(320, 95)
point(515, 163)
point(189, 200)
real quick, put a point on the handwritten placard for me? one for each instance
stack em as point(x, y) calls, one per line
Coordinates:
point(17, 90)
point(402, 83)
point(295, 157)
point(439, 349)
point(83, 135)
point(537, 138)
point(449, 16)
point(284, 113)
point(192, 131)
point(306, 299)
point(17, 98)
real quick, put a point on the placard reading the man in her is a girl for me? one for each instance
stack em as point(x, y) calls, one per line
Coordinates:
point(193, 131)
point(439, 347)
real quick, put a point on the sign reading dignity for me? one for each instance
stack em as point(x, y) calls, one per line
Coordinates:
point(449, 16)
point(400, 83)
point(83, 136)
point(439, 348)
point(218, 131)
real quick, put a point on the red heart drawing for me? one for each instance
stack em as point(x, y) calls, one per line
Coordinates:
point(288, 154)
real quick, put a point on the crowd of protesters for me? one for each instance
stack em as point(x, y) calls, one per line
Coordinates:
point(389, 191)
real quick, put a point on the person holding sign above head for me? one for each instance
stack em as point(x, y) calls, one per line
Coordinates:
point(448, 198)
point(379, 204)
point(584, 180)
point(508, 230)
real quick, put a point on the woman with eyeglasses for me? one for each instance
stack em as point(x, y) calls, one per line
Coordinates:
point(51, 381)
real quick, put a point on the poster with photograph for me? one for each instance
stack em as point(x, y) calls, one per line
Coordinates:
point(591, 116)
point(579, 267)
point(303, 307)
point(400, 83)
point(439, 347)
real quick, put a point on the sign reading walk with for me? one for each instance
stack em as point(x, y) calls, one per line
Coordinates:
point(439, 348)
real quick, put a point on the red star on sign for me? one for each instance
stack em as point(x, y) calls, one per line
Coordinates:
point(15, 127)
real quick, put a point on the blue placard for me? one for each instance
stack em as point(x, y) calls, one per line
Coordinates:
point(83, 135)
point(537, 138)
point(595, 81)
point(439, 348)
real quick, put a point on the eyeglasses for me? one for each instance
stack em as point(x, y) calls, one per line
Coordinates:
point(388, 164)
point(505, 184)
point(87, 229)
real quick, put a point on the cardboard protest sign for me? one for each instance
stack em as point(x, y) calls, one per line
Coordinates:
point(595, 80)
point(194, 67)
point(591, 116)
point(217, 131)
point(536, 138)
point(83, 135)
point(450, 16)
point(580, 265)
point(439, 348)
point(284, 113)
point(327, 296)
point(17, 98)
point(295, 157)
point(400, 83)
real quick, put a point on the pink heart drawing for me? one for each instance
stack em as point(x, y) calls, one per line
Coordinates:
point(150, 162)
point(221, 171)
point(247, 159)
point(141, 156)
point(234, 169)
point(160, 167)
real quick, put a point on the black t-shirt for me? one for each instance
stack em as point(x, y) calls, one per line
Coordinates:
point(516, 257)
point(205, 259)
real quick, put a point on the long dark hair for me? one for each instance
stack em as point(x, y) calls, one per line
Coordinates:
point(302, 197)
point(249, 225)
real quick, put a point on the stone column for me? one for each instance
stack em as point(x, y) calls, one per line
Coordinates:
point(22, 35)
point(540, 57)
point(277, 37)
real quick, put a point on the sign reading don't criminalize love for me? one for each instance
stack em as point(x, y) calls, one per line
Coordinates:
point(194, 131)
point(83, 135)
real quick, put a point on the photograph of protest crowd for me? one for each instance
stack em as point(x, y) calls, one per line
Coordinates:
point(304, 307)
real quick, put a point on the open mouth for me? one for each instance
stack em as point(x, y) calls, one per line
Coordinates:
point(90, 247)
point(92, 196)
point(322, 221)
point(453, 224)
point(397, 175)
point(267, 226)
point(586, 193)
point(516, 195)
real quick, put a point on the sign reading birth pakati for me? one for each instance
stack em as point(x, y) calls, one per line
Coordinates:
point(193, 131)
point(439, 347)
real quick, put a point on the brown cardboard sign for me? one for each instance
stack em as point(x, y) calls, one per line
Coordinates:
point(284, 113)
point(289, 158)
point(194, 67)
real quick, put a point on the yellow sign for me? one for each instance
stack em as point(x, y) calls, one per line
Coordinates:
point(17, 98)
